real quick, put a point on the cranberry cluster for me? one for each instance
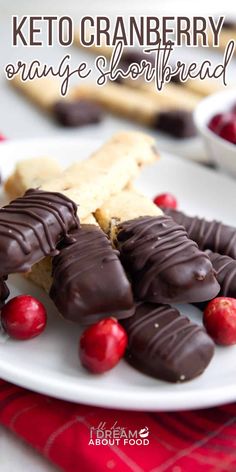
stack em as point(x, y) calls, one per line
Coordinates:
point(224, 125)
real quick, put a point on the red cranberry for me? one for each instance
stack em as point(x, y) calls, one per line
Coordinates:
point(228, 131)
point(220, 320)
point(215, 122)
point(102, 345)
point(166, 200)
point(2, 138)
point(23, 317)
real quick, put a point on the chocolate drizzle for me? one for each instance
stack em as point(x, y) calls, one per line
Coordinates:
point(165, 344)
point(212, 235)
point(31, 226)
point(164, 264)
point(89, 282)
point(225, 268)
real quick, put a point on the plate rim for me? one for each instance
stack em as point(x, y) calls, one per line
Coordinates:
point(154, 401)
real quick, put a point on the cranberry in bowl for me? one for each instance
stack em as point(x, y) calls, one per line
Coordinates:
point(215, 118)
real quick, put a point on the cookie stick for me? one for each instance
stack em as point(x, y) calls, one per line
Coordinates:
point(91, 182)
point(121, 207)
point(30, 173)
point(122, 101)
point(171, 96)
point(86, 280)
point(140, 106)
point(45, 94)
point(140, 146)
point(203, 88)
point(166, 345)
point(31, 227)
point(89, 282)
point(164, 264)
point(212, 235)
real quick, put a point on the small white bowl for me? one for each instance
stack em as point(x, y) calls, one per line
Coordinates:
point(220, 151)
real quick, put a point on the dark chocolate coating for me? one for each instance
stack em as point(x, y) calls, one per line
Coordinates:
point(164, 264)
point(212, 235)
point(4, 291)
point(225, 269)
point(31, 227)
point(177, 123)
point(176, 79)
point(77, 112)
point(89, 282)
point(166, 345)
point(229, 24)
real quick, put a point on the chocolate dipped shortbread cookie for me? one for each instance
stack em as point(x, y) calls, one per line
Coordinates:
point(77, 112)
point(107, 163)
point(144, 105)
point(45, 94)
point(164, 264)
point(31, 173)
point(212, 235)
point(31, 227)
point(89, 282)
point(165, 344)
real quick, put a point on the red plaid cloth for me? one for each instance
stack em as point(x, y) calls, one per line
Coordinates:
point(203, 440)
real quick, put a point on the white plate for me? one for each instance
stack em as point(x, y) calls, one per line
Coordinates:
point(49, 364)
